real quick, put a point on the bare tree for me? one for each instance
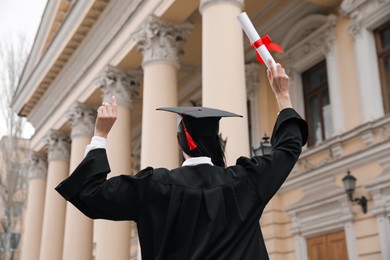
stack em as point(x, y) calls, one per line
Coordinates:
point(14, 149)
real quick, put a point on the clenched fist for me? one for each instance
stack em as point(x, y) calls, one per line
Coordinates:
point(106, 117)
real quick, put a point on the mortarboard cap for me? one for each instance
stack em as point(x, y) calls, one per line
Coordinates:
point(199, 121)
point(199, 112)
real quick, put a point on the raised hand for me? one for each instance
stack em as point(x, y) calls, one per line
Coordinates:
point(106, 117)
point(280, 84)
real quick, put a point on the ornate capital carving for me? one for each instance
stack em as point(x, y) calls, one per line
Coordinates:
point(161, 41)
point(204, 3)
point(348, 5)
point(365, 14)
point(356, 27)
point(252, 79)
point(82, 119)
point(321, 39)
point(58, 146)
point(121, 84)
point(37, 166)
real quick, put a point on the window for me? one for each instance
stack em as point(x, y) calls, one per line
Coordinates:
point(382, 37)
point(329, 246)
point(317, 103)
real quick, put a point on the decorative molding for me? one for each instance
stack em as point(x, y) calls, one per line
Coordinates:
point(252, 79)
point(356, 27)
point(307, 166)
point(206, 3)
point(123, 85)
point(365, 14)
point(324, 208)
point(82, 119)
point(317, 39)
point(58, 146)
point(375, 153)
point(107, 39)
point(336, 151)
point(252, 84)
point(379, 188)
point(368, 138)
point(348, 6)
point(384, 134)
point(38, 166)
point(161, 41)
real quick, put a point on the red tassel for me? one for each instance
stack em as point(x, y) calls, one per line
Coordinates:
point(191, 143)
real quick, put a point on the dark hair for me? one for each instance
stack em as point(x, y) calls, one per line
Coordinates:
point(210, 146)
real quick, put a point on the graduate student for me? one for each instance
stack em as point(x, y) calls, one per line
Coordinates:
point(202, 210)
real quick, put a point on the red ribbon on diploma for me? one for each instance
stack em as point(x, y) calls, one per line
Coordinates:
point(266, 40)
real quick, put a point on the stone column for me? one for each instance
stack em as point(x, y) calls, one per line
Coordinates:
point(224, 71)
point(78, 227)
point(113, 238)
point(160, 42)
point(367, 71)
point(55, 206)
point(35, 204)
point(252, 85)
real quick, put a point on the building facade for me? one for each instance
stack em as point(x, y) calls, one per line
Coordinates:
point(152, 54)
point(14, 161)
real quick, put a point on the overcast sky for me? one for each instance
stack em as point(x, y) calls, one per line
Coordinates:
point(20, 17)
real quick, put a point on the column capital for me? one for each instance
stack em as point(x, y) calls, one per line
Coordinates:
point(205, 3)
point(161, 41)
point(58, 146)
point(38, 166)
point(82, 119)
point(355, 28)
point(252, 79)
point(121, 84)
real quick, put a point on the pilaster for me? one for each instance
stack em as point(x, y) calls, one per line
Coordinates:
point(367, 15)
point(252, 85)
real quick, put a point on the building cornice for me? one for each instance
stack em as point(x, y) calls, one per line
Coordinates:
point(72, 33)
point(335, 160)
point(77, 80)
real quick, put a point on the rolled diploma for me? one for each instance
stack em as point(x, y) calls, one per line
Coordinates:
point(253, 36)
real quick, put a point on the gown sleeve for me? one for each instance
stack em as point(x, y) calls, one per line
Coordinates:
point(89, 190)
point(268, 172)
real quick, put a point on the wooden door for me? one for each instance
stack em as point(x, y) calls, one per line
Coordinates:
point(331, 246)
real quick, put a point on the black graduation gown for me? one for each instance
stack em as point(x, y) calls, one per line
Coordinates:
point(192, 212)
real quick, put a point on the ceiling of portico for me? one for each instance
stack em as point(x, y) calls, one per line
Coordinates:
point(262, 14)
point(270, 16)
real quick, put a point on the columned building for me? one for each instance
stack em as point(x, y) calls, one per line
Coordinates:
point(152, 54)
